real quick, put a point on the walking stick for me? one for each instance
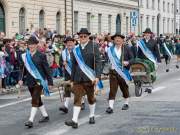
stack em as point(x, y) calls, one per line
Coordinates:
point(19, 86)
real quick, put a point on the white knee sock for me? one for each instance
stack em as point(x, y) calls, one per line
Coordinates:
point(76, 112)
point(111, 104)
point(43, 111)
point(66, 103)
point(33, 113)
point(83, 99)
point(92, 110)
point(126, 101)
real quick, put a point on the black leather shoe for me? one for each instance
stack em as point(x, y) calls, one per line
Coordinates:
point(28, 124)
point(44, 119)
point(125, 107)
point(109, 110)
point(71, 123)
point(177, 66)
point(92, 120)
point(83, 106)
point(167, 70)
point(63, 109)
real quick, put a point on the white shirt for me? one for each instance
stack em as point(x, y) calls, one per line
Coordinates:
point(64, 55)
point(118, 53)
point(84, 45)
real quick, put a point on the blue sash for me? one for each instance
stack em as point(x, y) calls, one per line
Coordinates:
point(86, 69)
point(146, 51)
point(124, 73)
point(31, 68)
point(167, 50)
point(100, 84)
point(66, 58)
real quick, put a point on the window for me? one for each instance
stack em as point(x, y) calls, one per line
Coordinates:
point(153, 24)
point(141, 3)
point(153, 4)
point(127, 25)
point(172, 26)
point(168, 25)
point(164, 6)
point(147, 21)
point(172, 8)
point(75, 21)
point(163, 25)
point(158, 4)
point(147, 4)
point(58, 22)
point(99, 23)
point(109, 23)
point(41, 19)
point(22, 21)
point(89, 21)
point(141, 24)
point(168, 7)
point(2, 18)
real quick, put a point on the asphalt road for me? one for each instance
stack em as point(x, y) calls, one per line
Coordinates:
point(151, 114)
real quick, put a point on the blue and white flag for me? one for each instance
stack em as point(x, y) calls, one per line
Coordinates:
point(31, 68)
point(86, 69)
point(167, 50)
point(124, 73)
point(147, 52)
point(66, 57)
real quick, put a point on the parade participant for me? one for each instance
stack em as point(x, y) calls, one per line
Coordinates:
point(177, 52)
point(86, 71)
point(119, 55)
point(37, 71)
point(65, 60)
point(148, 52)
point(167, 51)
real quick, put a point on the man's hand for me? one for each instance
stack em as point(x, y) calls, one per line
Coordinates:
point(95, 82)
point(72, 84)
point(126, 63)
point(20, 82)
point(50, 87)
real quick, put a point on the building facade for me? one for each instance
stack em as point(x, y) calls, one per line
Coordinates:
point(107, 16)
point(157, 15)
point(18, 15)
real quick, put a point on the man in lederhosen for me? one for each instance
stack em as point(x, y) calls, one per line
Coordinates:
point(36, 66)
point(65, 61)
point(85, 60)
point(151, 54)
point(120, 56)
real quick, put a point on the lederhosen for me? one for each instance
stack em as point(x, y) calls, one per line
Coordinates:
point(82, 84)
point(116, 80)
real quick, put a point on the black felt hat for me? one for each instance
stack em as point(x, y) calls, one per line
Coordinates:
point(32, 40)
point(117, 35)
point(84, 31)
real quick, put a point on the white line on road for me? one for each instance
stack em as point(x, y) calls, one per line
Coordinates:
point(158, 89)
point(21, 101)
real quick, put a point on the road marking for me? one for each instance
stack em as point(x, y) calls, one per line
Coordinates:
point(24, 100)
point(158, 89)
point(64, 129)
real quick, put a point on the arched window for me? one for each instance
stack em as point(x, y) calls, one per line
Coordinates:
point(41, 19)
point(2, 18)
point(58, 22)
point(22, 21)
point(118, 23)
